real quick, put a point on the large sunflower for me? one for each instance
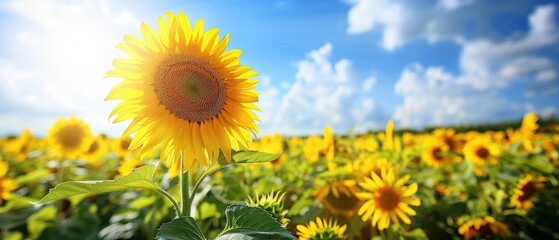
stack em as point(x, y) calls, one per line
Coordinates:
point(387, 199)
point(70, 138)
point(182, 88)
point(321, 229)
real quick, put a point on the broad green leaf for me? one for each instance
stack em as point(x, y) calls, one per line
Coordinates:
point(41, 220)
point(139, 178)
point(180, 228)
point(249, 156)
point(244, 223)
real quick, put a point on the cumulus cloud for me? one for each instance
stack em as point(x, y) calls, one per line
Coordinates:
point(433, 96)
point(400, 22)
point(55, 62)
point(324, 92)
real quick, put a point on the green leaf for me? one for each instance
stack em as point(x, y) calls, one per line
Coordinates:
point(30, 177)
point(180, 228)
point(244, 223)
point(40, 220)
point(249, 156)
point(139, 178)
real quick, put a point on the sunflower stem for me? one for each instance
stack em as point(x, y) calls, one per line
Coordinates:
point(184, 183)
point(168, 196)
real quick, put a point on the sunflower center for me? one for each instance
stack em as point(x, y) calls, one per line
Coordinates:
point(482, 152)
point(527, 191)
point(190, 88)
point(437, 154)
point(70, 136)
point(343, 202)
point(125, 143)
point(387, 199)
point(93, 147)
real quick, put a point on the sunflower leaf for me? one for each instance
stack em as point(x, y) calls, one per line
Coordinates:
point(139, 178)
point(244, 223)
point(250, 156)
point(180, 228)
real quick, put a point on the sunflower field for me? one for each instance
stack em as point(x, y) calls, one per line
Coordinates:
point(190, 165)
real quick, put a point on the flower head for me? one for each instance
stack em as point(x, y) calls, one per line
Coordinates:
point(321, 229)
point(483, 227)
point(182, 89)
point(387, 198)
point(272, 202)
point(523, 194)
point(70, 137)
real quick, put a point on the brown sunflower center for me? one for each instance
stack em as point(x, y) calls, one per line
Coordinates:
point(482, 152)
point(527, 191)
point(387, 199)
point(190, 88)
point(125, 143)
point(70, 136)
point(437, 154)
point(342, 202)
point(93, 147)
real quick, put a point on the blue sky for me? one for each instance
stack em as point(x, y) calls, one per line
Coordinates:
point(353, 64)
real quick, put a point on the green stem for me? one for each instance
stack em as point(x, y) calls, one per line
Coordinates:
point(175, 204)
point(184, 183)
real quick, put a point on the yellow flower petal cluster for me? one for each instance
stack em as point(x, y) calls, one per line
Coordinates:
point(387, 199)
point(7, 185)
point(522, 197)
point(182, 89)
point(321, 229)
point(70, 138)
point(482, 227)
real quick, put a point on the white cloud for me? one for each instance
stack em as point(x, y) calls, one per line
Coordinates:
point(488, 64)
point(55, 63)
point(433, 96)
point(324, 92)
point(369, 83)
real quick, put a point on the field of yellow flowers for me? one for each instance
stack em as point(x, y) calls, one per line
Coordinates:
point(438, 185)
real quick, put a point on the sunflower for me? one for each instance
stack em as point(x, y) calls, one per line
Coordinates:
point(448, 136)
point(96, 151)
point(387, 199)
point(321, 229)
point(522, 197)
point(272, 202)
point(388, 143)
point(437, 155)
point(366, 143)
point(339, 197)
point(120, 146)
point(366, 164)
point(19, 147)
point(182, 89)
point(270, 144)
point(312, 148)
point(527, 129)
point(7, 185)
point(482, 227)
point(481, 151)
point(128, 165)
point(328, 148)
point(70, 137)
